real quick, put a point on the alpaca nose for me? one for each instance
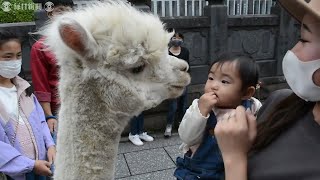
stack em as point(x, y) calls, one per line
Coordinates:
point(185, 67)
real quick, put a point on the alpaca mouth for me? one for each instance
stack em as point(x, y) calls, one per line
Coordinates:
point(177, 87)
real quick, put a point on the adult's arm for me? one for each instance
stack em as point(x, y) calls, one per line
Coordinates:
point(235, 135)
point(40, 74)
point(236, 169)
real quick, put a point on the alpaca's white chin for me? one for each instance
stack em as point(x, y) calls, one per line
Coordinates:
point(154, 98)
point(152, 103)
point(176, 91)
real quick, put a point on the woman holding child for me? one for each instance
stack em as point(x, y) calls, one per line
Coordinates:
point(286, 142)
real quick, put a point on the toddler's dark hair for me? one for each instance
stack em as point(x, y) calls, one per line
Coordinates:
point(247, 66)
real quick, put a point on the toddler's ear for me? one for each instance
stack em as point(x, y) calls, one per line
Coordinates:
point(248, 93)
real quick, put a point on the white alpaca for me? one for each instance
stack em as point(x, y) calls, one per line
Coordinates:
point(113, 65)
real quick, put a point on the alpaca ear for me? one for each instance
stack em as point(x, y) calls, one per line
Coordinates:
point(75, 36)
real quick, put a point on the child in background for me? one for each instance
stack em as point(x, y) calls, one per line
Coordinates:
point(231, 82)
point(26, 146)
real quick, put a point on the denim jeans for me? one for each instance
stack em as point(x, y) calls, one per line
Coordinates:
point(136, 124)
point(31, 176)
point(206, 162)
point(54, 137)
point(179, 104)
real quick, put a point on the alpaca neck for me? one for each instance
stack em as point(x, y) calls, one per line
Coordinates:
point(88, 152)
point(91, 120)
point(88, 137)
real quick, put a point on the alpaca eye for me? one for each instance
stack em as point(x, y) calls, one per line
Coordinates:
point(138, 69)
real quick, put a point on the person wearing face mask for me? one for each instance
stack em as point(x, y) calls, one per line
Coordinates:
point(180, 103)
point(27, 149)
point(285, 144)
point(45, 71)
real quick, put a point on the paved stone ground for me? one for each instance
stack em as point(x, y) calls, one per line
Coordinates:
point(153, 160)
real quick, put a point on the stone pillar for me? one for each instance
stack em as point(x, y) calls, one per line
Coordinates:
point(218, 33)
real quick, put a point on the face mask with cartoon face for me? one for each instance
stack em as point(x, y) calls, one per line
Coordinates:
point(299, 74)
point(10, 69)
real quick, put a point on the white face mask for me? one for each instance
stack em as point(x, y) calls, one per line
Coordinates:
point(299, 74)
point(10, 69)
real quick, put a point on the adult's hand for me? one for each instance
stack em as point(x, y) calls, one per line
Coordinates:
point(42, 168)
point(52, 124)
point(235, 133)
point(51, 154)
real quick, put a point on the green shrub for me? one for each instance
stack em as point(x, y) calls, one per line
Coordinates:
point(18, 11)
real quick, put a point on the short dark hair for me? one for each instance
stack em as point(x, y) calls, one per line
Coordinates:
point(6, 35)
point(247, 66)
point(176, 33)
point(179, 35)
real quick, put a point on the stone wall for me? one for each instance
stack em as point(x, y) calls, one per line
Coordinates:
point(266, 38)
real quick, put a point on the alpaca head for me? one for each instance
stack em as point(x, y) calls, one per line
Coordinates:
point(113, 41)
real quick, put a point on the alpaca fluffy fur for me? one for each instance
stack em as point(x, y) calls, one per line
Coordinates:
point(101, 51)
